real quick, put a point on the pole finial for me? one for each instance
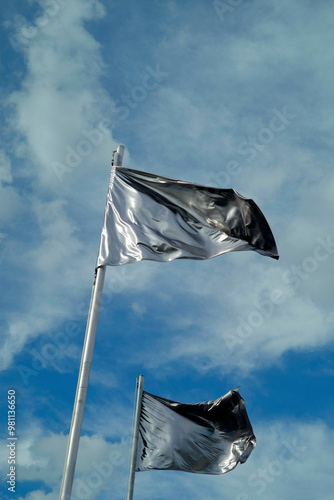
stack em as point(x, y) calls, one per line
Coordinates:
point(119, 155)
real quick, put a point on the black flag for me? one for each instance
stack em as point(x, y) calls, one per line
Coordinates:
point(150, 217)
point(204, 438)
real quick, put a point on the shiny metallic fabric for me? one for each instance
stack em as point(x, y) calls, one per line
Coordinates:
point(150, 217)
point(204, 438)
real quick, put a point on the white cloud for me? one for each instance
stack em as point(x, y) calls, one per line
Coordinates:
point(224, 80)
point(40, 495)
point(41, 457)
point(220, 327)
point(286, 451)
point(61, 98)
point(48, 305)
point(9, 198)
point(138, 309)
point(58, 117)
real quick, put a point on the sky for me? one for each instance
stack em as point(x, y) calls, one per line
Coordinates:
point(233, 93)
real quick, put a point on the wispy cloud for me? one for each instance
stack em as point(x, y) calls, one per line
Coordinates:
point(285, 449)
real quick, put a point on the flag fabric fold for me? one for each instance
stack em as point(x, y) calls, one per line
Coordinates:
point(205, 438)
point(150, 217)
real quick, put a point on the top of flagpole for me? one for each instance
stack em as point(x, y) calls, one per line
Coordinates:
point(119, 155)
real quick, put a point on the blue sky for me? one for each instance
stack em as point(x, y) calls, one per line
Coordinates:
point(228, 94)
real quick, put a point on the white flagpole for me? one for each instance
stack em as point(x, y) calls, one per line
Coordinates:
point(135, 439)
point(86, 361)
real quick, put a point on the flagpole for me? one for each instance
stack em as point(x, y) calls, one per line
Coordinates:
point(86, 362)
point(131, 484)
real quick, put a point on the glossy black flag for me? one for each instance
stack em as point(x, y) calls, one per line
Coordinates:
point(150, 217)
point(204, 438)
